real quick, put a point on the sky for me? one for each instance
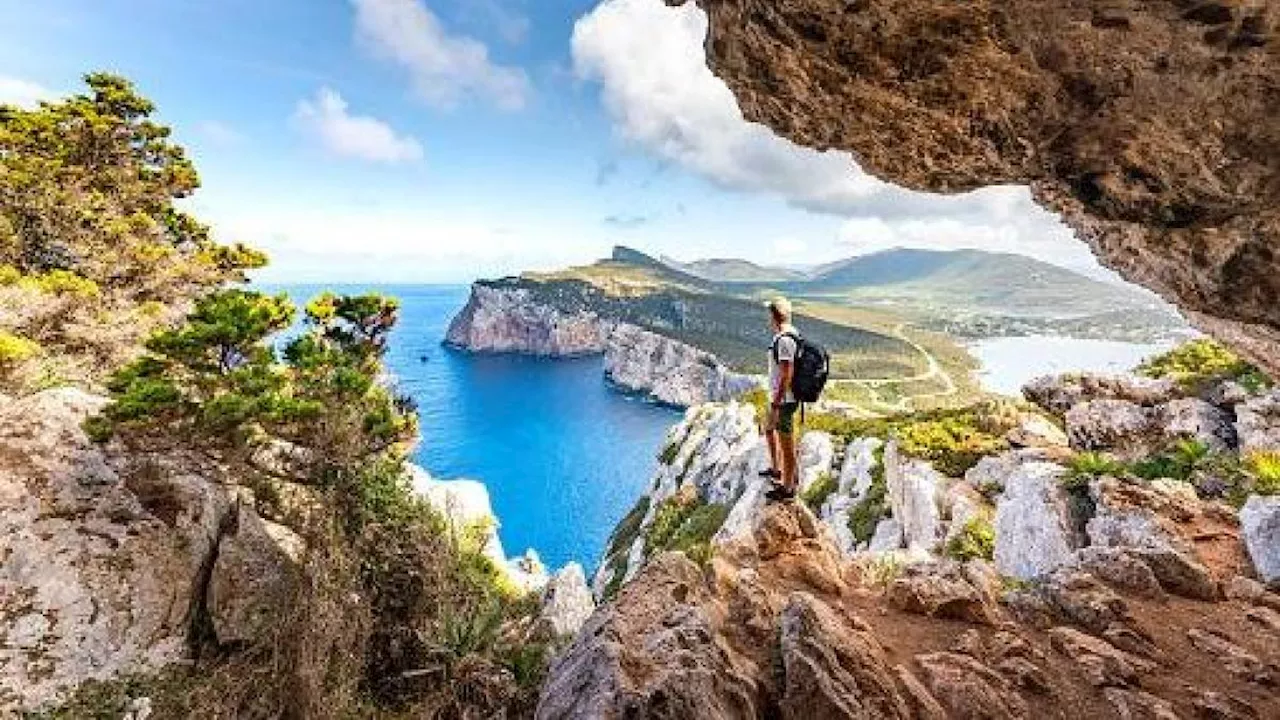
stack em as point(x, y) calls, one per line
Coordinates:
point(445, 140)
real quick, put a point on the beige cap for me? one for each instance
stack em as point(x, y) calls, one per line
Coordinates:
point(780, 306)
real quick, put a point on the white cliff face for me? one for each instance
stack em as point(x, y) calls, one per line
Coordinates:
point(507, 320)
point(670, 371)
point(510, 320)
point(466, 503)
point(915, 493)
point(566, 602)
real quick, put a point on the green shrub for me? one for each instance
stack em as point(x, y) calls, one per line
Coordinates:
point(669, 452)
point(976, 540)
point(15, 349)
point(685, 524)
point(61, 282)
point(1264, 468)
point(1199, 363)
point(818, 492)
point(864, 516)
point(1085, 466)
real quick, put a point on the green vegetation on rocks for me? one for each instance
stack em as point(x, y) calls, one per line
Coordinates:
point(106, 283)
point(1198, 364)
point(864, 516)
point(818, 492)
point(685, 523)
point(975, 541)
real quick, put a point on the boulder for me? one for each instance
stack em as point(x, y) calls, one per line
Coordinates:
point(100, 559)
point(1195, 419)
point(1144, 519)
point(943, 589)
point(833, 668)
point(1035, 430)
point(256, 573)
point(857, 471)
point(1120, 426)
point(887, 536)
point(817, 457)
point(915, 494)
point(1258, 423)
point(1260, 526)
point(1059, 393)
point(1035, 532)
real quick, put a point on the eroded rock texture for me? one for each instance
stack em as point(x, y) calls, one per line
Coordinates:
point(777, 626)
point(1153, 127)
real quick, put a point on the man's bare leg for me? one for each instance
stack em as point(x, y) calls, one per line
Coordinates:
point(771, 440)
point(787, 456)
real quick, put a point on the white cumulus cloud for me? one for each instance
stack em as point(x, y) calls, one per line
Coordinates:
point(328, 119)
point(443, 68)
point(23, 93)
point(650, 63)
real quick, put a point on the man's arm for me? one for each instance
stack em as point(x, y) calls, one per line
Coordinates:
point(786, 369)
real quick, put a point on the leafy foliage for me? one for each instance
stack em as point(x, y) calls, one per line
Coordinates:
point(1085, 466)
point(89, 229)
point(15, 349)
point(1197, 364)
point(976, 540)
point(953, 439)
point(1179, 463)
point(818, 492)
point(316, 415)
point(1264, 467)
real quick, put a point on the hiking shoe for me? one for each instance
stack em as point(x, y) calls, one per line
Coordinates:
point(779, 493)
point(771, 474)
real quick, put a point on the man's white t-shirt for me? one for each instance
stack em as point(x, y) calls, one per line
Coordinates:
point(787, 348)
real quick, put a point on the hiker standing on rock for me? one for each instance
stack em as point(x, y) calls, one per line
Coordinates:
point(779, 423)
point(798, 370)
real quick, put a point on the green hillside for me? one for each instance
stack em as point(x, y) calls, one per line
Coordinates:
point(974, 281)
point(733, 270)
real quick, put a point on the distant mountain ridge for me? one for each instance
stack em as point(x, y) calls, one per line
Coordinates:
point(963, 281)
point(734, 270)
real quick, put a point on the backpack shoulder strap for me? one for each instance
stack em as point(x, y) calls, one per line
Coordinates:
point(773, 346)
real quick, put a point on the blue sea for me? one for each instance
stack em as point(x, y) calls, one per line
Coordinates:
point(563, 455)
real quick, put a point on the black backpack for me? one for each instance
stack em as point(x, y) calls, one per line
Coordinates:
point(812, 366)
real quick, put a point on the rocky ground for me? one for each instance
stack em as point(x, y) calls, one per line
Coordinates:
point(1095, 595)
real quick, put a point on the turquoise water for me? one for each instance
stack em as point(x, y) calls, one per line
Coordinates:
point(564, 457)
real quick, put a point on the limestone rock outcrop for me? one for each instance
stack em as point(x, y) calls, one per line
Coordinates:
point(669, 371)
point(466, 503)
point(1150, 127)
point(567, 602)
point(107, 565)
point(1034, 529)
point(502, 319)
point(777, 625)
point(1260, 525)
point(498, 319)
